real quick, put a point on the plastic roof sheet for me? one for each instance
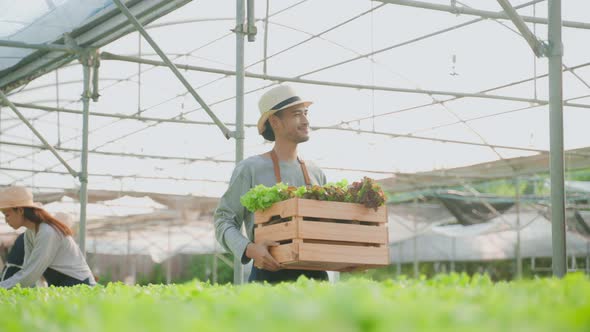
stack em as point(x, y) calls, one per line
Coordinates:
point(42, 21)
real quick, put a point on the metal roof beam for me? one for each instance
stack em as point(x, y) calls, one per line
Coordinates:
point(114, 176)
point(477, 12)
point(226, 132)
point(46, 144)
point(118, 154)
point(45, 47)
point(538, 47)
point(110, 56)
point(99, 32)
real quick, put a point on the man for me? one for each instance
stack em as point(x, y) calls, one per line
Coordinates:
point(283, 119)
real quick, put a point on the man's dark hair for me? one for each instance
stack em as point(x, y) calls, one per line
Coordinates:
point(268, 133)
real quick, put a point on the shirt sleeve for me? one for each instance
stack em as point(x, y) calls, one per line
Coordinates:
point(322, 177)
point(230, 214)
point(39, 253)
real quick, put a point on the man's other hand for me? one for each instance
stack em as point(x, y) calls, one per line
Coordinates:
point(261, 256)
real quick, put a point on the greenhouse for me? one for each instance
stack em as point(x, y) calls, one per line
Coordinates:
point(131, 115)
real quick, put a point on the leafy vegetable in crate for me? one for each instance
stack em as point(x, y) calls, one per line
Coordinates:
point(365, 192)
point(262, 197)
point(368, 193)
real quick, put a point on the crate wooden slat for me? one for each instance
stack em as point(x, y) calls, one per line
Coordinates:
point(317, 230)
point(316, 256)
point(321, 235)
point(277, 232)
point(321, 209)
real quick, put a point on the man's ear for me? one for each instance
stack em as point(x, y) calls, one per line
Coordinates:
point(19, 211)
point(274, 121)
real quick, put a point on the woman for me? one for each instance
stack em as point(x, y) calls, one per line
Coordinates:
point(15, 258)
point(50, 250)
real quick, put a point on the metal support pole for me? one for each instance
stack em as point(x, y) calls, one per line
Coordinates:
point(588, 257)
point(251, 21)
point(95, 66)
point(415, 243)
point(517, 248)
point(215, 268)
point(8, 103)
point(128, 258)
point(86, 60)
point(415, 258)
point(226, 132)
point(537, 46)
point(453, 251)
point(169, 260)
point(94, 254)
point(134, 268)
point(239, 133)
point(398, 265)
point(556, 137)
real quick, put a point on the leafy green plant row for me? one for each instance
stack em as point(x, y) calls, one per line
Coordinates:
point(445, 303)
point(365, 192)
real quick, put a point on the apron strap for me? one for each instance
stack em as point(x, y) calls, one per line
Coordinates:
point(277, 168)
point(275, 164)
point(305, 174)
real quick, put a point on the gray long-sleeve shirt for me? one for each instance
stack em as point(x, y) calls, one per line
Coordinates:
point(48, 248)
point(230, 214)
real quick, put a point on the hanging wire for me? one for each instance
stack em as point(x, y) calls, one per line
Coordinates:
point(57, 105)
point(265, 51)
point(139, 75)
point(534, 57)
point(454, 65)
point(33, 157)
point(372, 62)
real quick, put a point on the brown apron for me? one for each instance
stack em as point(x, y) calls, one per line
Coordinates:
point(259, 275)
point(277, 168)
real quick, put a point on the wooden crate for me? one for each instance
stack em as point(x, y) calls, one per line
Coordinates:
point(320, 235)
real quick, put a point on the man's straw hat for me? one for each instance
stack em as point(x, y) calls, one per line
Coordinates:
point(276, 99)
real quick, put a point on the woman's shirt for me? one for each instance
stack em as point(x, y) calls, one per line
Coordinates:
point(48, 248)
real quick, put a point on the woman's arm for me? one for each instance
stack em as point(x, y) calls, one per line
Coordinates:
point(37, 259)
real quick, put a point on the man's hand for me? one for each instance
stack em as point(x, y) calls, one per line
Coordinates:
point(262, 258)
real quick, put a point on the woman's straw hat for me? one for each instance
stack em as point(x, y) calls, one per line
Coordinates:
point(16, 196)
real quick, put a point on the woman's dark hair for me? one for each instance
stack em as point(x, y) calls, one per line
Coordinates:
point(268, 133)
point(37, 216)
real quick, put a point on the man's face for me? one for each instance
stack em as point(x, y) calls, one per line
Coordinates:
point(14, 217)
point(292, 124)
